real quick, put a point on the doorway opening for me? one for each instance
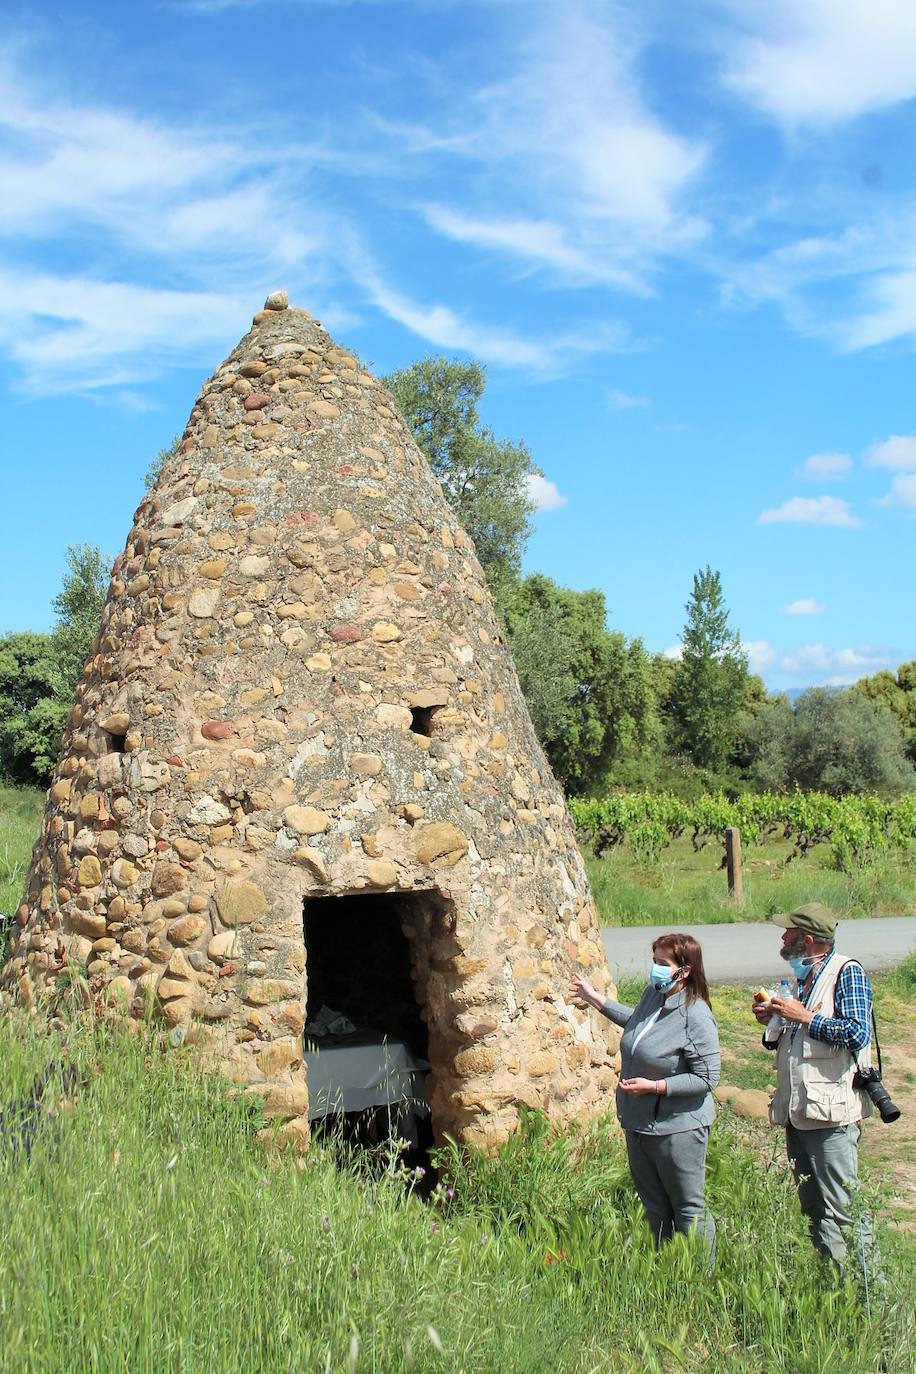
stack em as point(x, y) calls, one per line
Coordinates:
point(366, 1037)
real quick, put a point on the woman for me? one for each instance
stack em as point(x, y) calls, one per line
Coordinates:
point(669, 1067)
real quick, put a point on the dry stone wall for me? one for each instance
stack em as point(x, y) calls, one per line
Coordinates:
point(301, 690)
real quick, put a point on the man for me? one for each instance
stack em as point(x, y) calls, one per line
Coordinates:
point(825, 1031)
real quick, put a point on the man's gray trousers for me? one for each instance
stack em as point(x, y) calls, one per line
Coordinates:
point(825, 1163)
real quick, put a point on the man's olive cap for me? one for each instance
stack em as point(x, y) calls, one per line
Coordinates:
point(813, 918)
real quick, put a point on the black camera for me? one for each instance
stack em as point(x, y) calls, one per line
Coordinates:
point(869, 1081)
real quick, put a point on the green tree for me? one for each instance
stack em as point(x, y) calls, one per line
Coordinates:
point(897, 692)
point(484, 478)
point(829, 740)
point(711, 681)
point(39, 672)
point(842, 742)
point(767, 746)
point(588, 689)
point(78, 605)
point(31, 712)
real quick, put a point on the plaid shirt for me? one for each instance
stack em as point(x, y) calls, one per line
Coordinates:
point(851, 1023)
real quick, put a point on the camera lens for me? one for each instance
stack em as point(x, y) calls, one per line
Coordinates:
point(882, 1100)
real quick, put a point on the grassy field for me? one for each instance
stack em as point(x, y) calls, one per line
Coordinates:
point(20, 817)
point(691, 887)
point(149, 1230)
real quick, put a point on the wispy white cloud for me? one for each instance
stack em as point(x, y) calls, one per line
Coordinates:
point(599, 185)
point(544, 494)
point(624, 400)
point(442, 326)
point(833, 666)
point(816, 664)
point(903, 490)
point(826, 467)
point(851, 286)
point(674, 651)
point(536, 242)
point(175, 213)
point(78, 334)
point(806, 606)
point(165, 191)
point(888, 312)
point(187, 210)
point(897, 453)
point(823, 61)
point(811, 510)
point(760, 655)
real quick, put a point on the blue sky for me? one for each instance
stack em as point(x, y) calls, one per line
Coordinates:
point(682, 237)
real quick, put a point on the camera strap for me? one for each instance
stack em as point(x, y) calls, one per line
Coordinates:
point(874, 1031)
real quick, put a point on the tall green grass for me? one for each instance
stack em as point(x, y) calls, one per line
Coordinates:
point(20, 817)
point(150, 1231)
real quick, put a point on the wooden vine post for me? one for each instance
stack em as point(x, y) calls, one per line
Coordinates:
point(733, 866)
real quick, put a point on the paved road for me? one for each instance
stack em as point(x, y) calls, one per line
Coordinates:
point(748, 952)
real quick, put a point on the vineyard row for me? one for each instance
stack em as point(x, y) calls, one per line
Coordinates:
point(858, 829)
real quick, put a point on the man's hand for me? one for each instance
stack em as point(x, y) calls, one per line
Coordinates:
point(763, 1011)
point(640, 1087)
point(792, 1010)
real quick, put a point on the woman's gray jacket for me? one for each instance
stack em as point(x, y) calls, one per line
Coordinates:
point(682, 1046)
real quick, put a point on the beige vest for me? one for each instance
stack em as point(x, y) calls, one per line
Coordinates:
point(813, 1079)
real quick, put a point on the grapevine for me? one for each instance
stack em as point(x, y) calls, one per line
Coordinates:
point(858, 829)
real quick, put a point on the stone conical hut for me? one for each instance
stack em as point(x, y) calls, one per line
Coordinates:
point(300, 771)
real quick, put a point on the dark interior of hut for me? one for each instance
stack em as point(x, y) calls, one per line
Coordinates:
point(366, 1042)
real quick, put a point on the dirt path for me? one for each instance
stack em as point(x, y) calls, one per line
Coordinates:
point(890, 1151)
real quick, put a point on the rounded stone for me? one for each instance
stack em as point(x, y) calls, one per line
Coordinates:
point(254, 565)
point(116, 723)
point(240, 901)
point(225, 945)
point(366, 765)
point(381, 873)
point(280, 1055)
point(124, 873)
point(168, 878)
point(188, 849)
point(395, 717)
point(203, 602)
point(89, 873)
point(306, 820)
point(120, 992)
point(91, 924)
point(440, 843)
point(313, 860)
point(216, 729)
point(186, 930)
point(477, 1059)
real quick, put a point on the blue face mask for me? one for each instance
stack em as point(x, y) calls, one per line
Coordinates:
point(662, 977)
point(800, 966)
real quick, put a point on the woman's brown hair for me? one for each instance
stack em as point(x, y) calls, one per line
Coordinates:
point(685, 950)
